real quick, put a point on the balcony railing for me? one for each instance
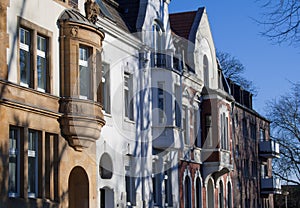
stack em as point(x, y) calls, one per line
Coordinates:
point(270, 185)
point(269, 149)
point(161, 60)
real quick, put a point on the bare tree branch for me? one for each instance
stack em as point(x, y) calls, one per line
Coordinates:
point(284, 113)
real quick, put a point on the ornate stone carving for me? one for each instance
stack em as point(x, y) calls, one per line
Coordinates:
point(92, 10)
point(74, 31)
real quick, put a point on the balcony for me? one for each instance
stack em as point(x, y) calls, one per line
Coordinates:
point(81, 122)
point(166, 137)
point(269, 149)
point(270, 186)
point(216, 161)
point(161, 60)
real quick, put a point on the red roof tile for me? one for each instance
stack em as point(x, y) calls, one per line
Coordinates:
point(181, 23)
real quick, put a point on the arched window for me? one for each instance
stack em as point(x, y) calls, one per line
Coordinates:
point(106, 167)
point(206, 71)
point(210, 194)
point(198, 193)
point(229, 195)
point(187, 192)
point(221, 195)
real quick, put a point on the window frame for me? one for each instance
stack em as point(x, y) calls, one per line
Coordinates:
point(34, 153)
point(208, 130)
point(35, 31)
point(105, 88)
point(16, 152)
point(128, 97)
point(87, 67)
point(161, 102)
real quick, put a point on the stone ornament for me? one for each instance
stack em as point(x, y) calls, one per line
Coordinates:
point(92, 10)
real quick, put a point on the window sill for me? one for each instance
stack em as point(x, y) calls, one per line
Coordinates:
point(13, 195)
point(129, 121)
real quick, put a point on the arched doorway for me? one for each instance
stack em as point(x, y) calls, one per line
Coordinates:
point(78, 188)
point(107, 198)
point(210, 194)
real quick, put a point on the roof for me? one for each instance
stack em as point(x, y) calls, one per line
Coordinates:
point(129, 10)
point(73, 15)
point(181, 23)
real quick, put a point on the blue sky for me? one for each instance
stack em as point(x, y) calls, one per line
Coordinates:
point(270, 67)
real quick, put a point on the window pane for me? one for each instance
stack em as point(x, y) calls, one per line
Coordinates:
point(128, 96)
point(31, 174)
point(41, 62)
point(24, 58)
point(32, 163)
point(13, 162)
point(24, 66)
point(106, 87)
point(84, 73)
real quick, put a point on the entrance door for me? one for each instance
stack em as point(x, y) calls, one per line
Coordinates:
point(78, 188)
point(107, 198)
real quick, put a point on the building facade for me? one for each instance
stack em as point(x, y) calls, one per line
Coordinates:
point(254, 185)
point(116, 103)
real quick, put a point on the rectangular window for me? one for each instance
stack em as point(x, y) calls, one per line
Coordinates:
point(130, 184)
point(197, 127)
point(168, 187)
point(84, 73)
point(105, 82)
point(161, 102)
point(25, 59)
point(34, 56)
point(33, 163)
point(14, 162)
point(42, 63)
point(226, 134)
point(262, 134)
point(253, 131)
point(254, 169)
point(185, 126)
point(245, 130)
point(208, 130)
point(246, 168)
point(264, 170)
point(128, 96)
point(156, 184)
point(177, 104)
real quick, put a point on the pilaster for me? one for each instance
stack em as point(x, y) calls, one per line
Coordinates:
point(4, 38)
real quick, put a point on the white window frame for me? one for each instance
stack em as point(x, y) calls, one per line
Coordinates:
point(106, 91)
point(42, 54)
point(16, 153)
point(26, 47)
point(84, 62)
point(129, 100)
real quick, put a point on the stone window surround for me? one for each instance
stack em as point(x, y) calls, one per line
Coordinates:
point(47, 185)
point(34, 31)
